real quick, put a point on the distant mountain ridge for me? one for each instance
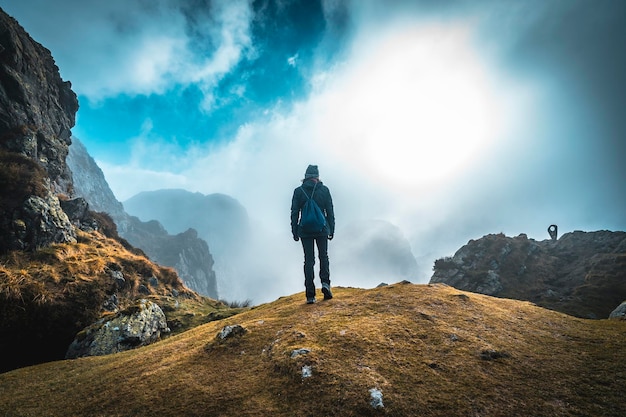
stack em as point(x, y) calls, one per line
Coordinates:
point(375, 250)
point(218, 218)
point(581, 273)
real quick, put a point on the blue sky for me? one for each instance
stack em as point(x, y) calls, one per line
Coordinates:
point(450, 119)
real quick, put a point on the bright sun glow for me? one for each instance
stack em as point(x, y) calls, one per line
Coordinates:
point(414, 107)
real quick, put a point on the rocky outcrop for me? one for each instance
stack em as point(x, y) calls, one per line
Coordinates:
point(582, 273)
point(48, 292)
point(38, 222)
point(37, 110)
point(185, 252)
point(137, 326)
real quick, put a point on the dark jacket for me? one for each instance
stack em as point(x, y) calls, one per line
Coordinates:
point(322, 198)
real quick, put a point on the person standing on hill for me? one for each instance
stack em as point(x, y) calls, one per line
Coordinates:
point(313, 230)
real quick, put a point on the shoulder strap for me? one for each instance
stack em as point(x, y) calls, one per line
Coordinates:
point(307, 196)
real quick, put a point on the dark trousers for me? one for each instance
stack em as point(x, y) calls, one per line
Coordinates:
point(309, 262)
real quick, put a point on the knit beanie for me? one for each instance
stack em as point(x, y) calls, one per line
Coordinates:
point(311, 172)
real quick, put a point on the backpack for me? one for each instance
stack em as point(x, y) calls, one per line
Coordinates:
point(312, 220)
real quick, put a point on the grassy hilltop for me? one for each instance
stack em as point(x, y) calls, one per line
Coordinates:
point(431, 350)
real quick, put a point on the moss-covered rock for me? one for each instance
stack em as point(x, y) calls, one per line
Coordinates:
point(138, 325)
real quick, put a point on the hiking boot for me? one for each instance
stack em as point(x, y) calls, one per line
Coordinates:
point(327, 292)
point(310, 300)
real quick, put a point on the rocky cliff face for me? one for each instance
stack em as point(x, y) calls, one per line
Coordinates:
point(89, 182)
point(582, 273)
point(37, 110)
point(185, 252)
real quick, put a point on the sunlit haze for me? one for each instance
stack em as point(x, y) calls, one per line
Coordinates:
point(449, 120)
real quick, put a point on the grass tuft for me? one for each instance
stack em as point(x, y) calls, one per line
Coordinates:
point(237, 304)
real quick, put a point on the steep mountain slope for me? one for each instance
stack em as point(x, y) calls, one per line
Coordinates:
point(90, 183)
point(581, 273)
point(400, 350)
point(185, 252)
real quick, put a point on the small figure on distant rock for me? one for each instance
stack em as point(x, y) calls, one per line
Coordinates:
point(553, 230)
point(318, 231)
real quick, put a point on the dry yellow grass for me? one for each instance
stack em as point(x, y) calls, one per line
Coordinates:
point(48, 296)
point(431, 350)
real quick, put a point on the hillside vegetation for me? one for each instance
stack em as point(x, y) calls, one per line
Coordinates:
point(48, 296)
point(430, 350)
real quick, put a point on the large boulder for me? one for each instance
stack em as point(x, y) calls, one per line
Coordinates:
point(44, 222)
point(137, 326)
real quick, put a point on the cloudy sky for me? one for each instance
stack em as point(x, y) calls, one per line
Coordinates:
point(449, 119)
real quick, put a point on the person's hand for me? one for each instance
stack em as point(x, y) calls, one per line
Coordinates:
point(296, 238)
point(330, 237)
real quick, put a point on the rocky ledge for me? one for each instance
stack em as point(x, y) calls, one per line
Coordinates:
point(582, 273)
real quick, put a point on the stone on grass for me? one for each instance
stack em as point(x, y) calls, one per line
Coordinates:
point(376, 398)
point(231, 331)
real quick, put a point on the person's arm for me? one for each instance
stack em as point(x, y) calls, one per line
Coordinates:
point(295, 214)
point(330, 216)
